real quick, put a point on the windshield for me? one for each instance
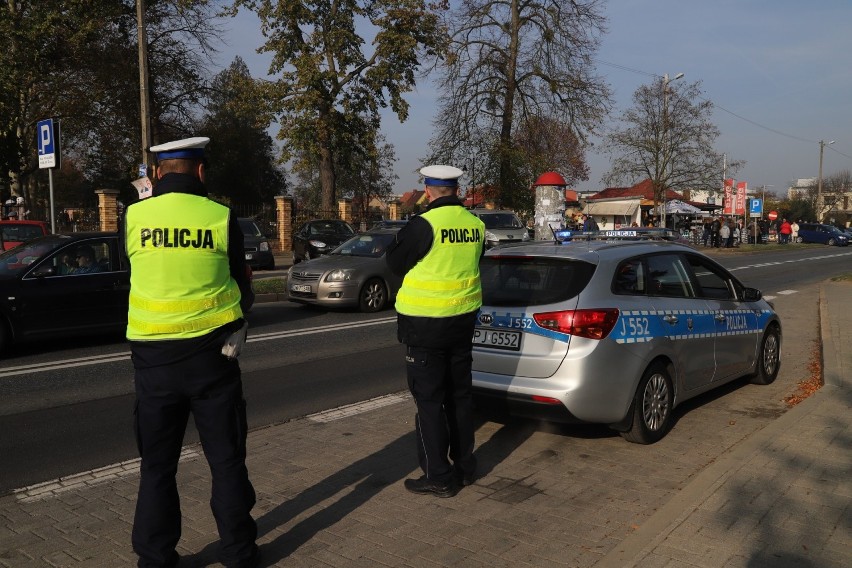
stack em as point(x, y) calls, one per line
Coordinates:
point(368, 245)
point(331, 228)
point(17, 260)
point(250, 228)
point(500, 221)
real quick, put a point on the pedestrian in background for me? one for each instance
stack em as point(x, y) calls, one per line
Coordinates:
point(784, 231)
point(189, 288)
point(438, 253)
point(794, 231)
point(725, 233)
point(706, 232)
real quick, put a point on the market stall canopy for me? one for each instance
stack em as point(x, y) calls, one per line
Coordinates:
point(680, 207)
point(612, 208)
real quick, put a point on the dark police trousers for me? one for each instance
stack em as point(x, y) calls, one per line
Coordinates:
point(440, 382)
point(209, 386)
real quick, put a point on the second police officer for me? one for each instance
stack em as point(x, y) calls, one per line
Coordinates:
point(438, 254)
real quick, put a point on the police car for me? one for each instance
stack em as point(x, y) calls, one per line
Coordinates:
point(615, 328)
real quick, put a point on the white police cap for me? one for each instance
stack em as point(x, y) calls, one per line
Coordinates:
point(188, 148)
point(442, 176)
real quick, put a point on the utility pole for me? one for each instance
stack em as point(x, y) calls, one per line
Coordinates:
point(667, 159)
point(819, 206)
point(144, 99)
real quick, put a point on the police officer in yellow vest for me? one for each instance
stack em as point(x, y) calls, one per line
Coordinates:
point(189, 287)
point(438, 254)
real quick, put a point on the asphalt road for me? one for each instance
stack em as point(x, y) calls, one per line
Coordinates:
point(66, 407)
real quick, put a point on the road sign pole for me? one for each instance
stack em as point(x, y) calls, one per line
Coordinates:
point(52, 215)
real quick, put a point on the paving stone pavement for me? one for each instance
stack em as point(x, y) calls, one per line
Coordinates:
point(741, 481)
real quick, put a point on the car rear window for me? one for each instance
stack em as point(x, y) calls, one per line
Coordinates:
point(531, 281)
point(20, 233)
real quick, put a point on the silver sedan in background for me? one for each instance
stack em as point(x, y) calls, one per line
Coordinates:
point(354, 275)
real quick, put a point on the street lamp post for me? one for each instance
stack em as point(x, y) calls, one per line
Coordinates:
point(822, 145)
point(666, 82)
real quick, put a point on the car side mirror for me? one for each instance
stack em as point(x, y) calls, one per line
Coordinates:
point(751, 294)
point(43, 271)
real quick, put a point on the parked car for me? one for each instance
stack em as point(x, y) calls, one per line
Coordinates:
point(355, 274)
point(615, 332)
point(46, 293)
point(318, 237)
point(819, 233)
point(256, 245)
point(14, 232)
point(501, 227)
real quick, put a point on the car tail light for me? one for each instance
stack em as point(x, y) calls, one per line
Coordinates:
point(592, 324)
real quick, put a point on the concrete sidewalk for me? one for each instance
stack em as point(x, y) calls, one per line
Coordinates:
point(740, 482)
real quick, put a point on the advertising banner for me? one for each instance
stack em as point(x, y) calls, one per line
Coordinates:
point(740, 201)
point(728, 199)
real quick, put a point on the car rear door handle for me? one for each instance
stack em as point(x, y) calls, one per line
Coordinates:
point(668, 318)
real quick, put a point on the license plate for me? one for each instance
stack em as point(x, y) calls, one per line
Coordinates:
point(301, 288)
point(497, 339)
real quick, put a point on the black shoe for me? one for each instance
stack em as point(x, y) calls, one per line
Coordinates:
point(464, 479)
point(251, 562)
point(424, 486)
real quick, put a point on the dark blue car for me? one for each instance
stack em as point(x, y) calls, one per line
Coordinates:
point(820, 233)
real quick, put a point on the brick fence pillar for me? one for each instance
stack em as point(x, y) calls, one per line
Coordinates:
point(284, 210)
point(393, 211)
point(108, 209)
point(344, 207)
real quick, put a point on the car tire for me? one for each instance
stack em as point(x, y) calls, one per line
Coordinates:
point(270, 266)
point(768, 358)
point(308, 255)
point(652, 407)
point(831, 242)
point(373, 296)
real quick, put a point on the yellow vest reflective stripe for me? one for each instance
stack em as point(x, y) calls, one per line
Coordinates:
point(180, 279)
point(445, 282)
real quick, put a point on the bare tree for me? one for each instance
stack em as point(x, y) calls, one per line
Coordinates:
point(514, 66)
point(666, 137)
point(835, 194)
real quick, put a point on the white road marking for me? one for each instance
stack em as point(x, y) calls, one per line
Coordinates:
point(787, 292)
point(123, 356)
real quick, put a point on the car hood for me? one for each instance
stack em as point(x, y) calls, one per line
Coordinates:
point(334, 261)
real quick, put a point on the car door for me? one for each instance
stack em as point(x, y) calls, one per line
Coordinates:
point(57, 301)
point(735, 323)
point(686, 323)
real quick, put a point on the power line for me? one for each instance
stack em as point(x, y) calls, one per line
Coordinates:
point(774, 131)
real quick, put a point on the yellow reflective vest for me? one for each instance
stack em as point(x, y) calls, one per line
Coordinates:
point(180, 278)
point(446, 282)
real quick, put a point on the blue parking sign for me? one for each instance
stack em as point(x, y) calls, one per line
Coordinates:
point(755, 207)
point(46, 140)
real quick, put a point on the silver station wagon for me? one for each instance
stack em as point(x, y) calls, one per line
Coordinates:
point(614, 331)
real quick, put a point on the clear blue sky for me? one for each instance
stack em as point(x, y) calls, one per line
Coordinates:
point(778, 72)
